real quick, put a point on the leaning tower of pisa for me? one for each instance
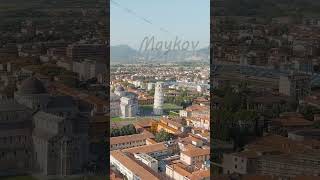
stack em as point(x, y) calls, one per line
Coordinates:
point(158, 99)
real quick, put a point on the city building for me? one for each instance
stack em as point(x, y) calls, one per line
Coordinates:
point(147, 160)
point(194, 155)
point(296, 86)
point(83, 51)
point(150, 86)
point(180, 171)
point(88, 69)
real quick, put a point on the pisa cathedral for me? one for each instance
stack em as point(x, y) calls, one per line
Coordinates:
point(41, 133)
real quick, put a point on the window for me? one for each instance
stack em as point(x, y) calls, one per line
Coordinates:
point(235, 166)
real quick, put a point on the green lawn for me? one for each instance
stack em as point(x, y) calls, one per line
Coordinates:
point(120, 119)
point(168, 107)
point(116, 119)
point(172, 113)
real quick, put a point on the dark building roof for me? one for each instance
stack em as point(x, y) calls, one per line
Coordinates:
point(32, 85)
point(119, 88)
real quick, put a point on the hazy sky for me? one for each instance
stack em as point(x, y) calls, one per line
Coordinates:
point(185, 19)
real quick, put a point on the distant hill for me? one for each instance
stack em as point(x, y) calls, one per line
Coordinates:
point(122, 54)
point(126, 54)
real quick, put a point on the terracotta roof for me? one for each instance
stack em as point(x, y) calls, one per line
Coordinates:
point(145, 122)
point(61, 88)
point(197, 108)
point(201, 99)
point(132, 165)
point(200, 174)
point(292, 121)
point(276, 143)
point(147, 148)
point(130, 138)
point(180, 170)
point(194, 152)
point(173, 122)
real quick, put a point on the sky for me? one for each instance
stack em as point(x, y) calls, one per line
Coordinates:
point(166, 20)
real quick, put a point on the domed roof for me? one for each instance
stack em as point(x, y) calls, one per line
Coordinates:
point(119, 88)
point(32, 85)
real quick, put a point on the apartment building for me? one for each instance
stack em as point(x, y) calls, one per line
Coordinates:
point(82, 51)
point(147, 160)
point(275, 155)
point(87, 69)
point(194, 155)
point(180, 171)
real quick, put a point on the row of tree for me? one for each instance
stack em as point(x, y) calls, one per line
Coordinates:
point(163, 136)
point(123, 131)
point(234, 120)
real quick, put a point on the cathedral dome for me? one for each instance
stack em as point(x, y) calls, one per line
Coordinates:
point(32, 86)
point(119, 89)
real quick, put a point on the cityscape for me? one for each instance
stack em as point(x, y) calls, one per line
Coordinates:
point(160, 97)
point(159, 90)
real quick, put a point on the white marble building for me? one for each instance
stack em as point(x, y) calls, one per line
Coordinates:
point(128, 103)
point(114, 105)
point(129, 106)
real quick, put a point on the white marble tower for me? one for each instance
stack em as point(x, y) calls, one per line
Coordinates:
point(158, 99)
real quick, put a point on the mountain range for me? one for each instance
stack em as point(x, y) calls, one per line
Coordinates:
point(122, 54)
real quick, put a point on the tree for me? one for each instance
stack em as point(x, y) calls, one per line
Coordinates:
point(163, 136)
point(131, 129)
point(124, 130)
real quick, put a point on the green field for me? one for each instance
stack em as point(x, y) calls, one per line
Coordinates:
point(120, 119)
point(173, 114)
point(166, 107)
